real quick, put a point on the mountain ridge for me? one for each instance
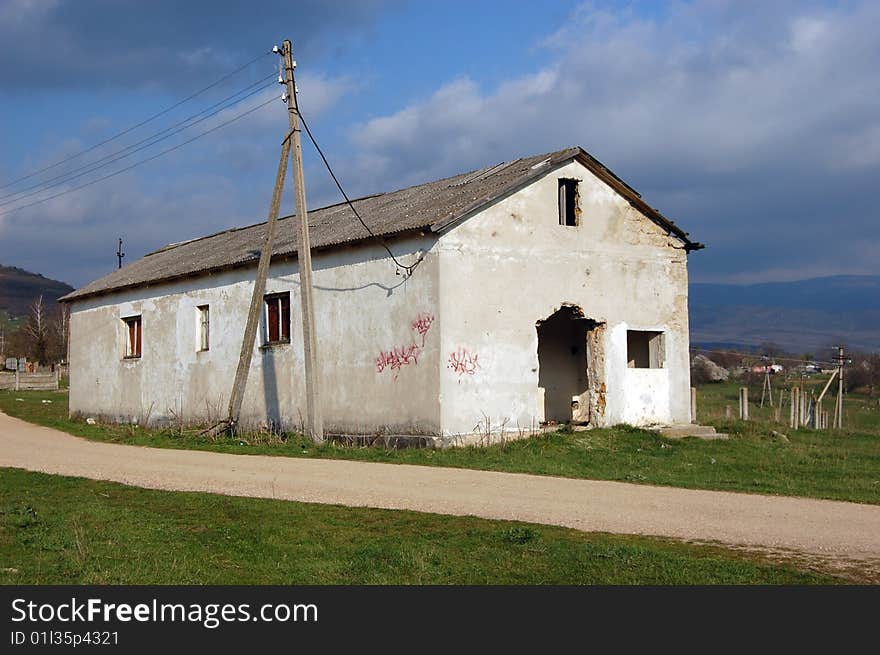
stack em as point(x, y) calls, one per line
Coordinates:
point(800, 316)
point(19, 288)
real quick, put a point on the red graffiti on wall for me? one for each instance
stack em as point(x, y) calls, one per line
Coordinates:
point(422, 324)
point(463, 362)
point(401, 356)
point(398, 357)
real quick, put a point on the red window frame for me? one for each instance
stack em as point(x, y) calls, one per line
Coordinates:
point(277, 317)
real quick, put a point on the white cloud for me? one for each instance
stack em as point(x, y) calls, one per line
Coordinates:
point(712, 99)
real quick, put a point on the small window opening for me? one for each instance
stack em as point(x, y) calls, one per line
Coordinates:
point(644, 349)
point(204, 327)
point(569, 211)
point(277, 318)
point(132, 337)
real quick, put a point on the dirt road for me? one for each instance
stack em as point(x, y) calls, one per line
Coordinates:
point(835, 532)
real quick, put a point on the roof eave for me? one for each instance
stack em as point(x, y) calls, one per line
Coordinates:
point(75, 296)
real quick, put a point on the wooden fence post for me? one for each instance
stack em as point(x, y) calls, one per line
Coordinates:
point(693, 404)
point(744, 403)
point(17, 383)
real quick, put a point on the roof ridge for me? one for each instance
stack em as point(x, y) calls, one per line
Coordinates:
point(427, 207)
point(500, 166)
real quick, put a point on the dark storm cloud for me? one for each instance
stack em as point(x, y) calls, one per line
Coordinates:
point(89, 44)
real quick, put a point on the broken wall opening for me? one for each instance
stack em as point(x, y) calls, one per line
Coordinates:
point(568, 377)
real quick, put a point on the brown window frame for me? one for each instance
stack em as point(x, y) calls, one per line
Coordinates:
point(134, 337)
point(277, 312)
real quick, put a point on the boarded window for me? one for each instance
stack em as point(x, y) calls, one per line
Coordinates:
point(644, 349)
point(204, 327)
point(132, 337)
point(568, 202)
point(278, 318)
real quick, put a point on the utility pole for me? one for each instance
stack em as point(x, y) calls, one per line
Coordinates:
point(291, 146)
point(119, 253)
point(767, 387)
point(841, 362)
point(315, 425)
point(253, 320)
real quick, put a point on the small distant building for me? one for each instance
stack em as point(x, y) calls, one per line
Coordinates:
point(547, 291)
point(768, 368)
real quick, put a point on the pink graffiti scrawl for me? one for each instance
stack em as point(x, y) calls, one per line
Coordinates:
point(463, 362)
point(403, 355)
point(422, 324)
point(398, 357)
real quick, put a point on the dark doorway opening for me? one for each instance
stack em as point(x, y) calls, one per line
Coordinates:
point(564, 365)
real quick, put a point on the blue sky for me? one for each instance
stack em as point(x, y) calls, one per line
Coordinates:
point(754, 125)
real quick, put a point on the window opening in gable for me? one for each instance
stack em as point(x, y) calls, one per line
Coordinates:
point(569, 211)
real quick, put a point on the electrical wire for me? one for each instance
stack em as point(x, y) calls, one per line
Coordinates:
point(153, 139)
point(144, 161)
point(756, 355)
point(408, 268)
point(142, 123)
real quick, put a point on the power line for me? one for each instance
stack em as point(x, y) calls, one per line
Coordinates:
point(154, 139)
point(148, 138)
point(408, 268)
point(755, 355)
point(92, 167)
point(134, 127)
point(143, 161)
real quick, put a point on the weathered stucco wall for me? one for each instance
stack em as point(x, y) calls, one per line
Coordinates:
point(514, 265)
point(451, 351)
point(379, 347)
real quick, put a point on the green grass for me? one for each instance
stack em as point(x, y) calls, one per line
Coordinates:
point(841, 466)
point(9, 324)
point(62, 530)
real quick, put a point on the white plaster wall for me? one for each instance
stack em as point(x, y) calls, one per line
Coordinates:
point(645, 397)
point(513, 264)
point(480, 291)
point(362, 309)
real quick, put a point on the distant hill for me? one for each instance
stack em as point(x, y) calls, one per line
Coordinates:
point(19, 288)
point(803, 316)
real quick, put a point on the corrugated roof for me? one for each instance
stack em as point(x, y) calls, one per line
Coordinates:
point(433, 206)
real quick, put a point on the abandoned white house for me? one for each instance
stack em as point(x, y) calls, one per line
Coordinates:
point(547, 290)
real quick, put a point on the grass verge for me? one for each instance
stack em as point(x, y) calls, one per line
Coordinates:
point(63, 530)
